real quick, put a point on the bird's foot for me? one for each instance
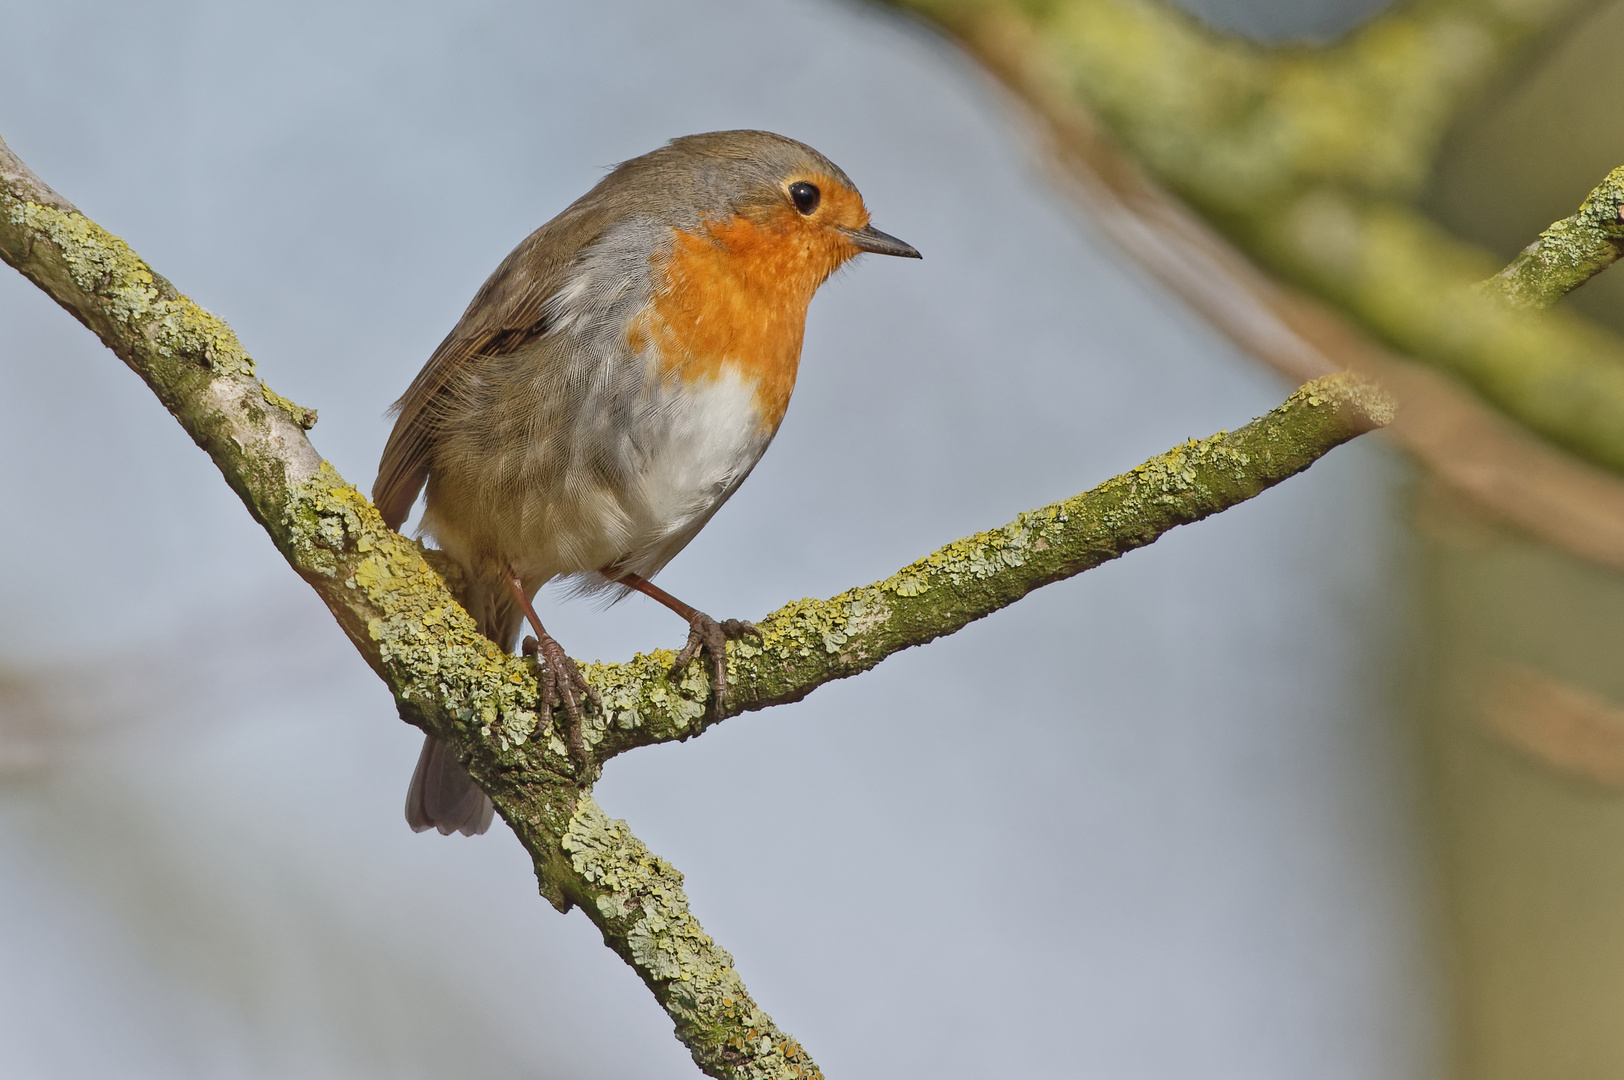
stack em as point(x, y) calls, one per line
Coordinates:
point(707, 635)
point(562, 684)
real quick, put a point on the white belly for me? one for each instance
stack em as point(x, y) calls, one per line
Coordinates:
point(686, 451)
point(695, 462)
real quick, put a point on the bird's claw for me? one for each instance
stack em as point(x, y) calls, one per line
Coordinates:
point(562, 684)
point(707, 635)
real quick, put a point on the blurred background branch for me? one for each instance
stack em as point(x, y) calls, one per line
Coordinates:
point(1312, 162)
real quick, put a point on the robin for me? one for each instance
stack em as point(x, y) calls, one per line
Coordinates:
point(609, 387)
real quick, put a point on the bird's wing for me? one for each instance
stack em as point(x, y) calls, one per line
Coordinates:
point(506, 315)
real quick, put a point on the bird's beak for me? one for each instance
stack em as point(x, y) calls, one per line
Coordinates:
point(871, 239)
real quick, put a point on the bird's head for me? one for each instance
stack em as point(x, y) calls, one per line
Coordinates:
point(769, 206)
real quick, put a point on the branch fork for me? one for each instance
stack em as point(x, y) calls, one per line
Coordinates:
point(391, 597)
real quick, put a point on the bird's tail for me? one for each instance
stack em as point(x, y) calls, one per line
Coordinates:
point(442, 795)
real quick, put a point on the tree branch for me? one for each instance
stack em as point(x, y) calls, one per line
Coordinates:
point(1309, 159)
point(811, 642)
point(1569, 253)
point(385, 592)
point(1502, 467)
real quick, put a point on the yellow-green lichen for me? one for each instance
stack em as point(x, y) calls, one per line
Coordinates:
point(432, 646)
point(638, 901)
point(809, 642)
point(640, 691)
point(305, 418)
point(126, 289)
point(1570, 252)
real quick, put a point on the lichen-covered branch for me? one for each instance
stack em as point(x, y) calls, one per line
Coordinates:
point(1569, 253)
point(374, 580)
point(1417, 287)
point(1502, 468)
point(387, 594)
point(811, 642)
point(1309, 159)
point(636, 899)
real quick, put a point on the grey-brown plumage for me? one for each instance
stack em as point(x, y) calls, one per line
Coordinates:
point(443, 795)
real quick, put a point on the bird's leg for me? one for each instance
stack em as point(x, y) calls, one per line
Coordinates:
point(705, 634)
point(561, 680)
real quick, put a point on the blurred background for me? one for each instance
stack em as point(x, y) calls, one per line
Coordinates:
point(1213, 813)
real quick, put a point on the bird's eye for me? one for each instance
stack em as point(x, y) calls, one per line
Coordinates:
point(805, 196)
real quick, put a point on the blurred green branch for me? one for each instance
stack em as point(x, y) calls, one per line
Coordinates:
point(1309, 159)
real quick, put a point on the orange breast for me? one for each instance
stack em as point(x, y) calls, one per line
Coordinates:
point(732, 298)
